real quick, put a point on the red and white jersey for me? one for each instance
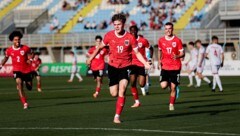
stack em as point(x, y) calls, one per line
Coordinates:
point(19, 58)
point(120, 48)
point(36, 63)
point(98, 62)
point(169, 47)
point(214, 52)
point(142, 45)
point(194, 56)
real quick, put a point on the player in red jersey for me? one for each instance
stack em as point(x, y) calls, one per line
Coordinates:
point(121, 44)
point(36, 63)
point(137, 69)
point(169, 61)
point(20, 62)
point(97, 65)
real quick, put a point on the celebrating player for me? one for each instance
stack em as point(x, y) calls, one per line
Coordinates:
point(21, 64)
point(121, 44)
point(138, 71)
point(201, 64)
point(74, 68)
point(192, 62)
point(36, 63)
point(215, 53)
point(169, 61)
point(97, 64)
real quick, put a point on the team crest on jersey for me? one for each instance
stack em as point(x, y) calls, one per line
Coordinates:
point(140, 45)
point(174, 44)
point(126, 42)
point(22, 53)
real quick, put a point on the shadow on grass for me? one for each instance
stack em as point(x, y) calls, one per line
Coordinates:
point(216, 105)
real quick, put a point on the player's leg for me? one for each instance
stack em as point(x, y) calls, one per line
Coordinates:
point(71, 77)
point(18, 78)
point(80, 79)
point(146, 88)
point(217, 78)
point(134, 91)
point(164, 79)
point(39, 85)
point(198, 78)
point(98, 76)
point(28, 80)
point(175, 81)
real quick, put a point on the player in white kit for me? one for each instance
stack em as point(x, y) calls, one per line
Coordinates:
point(215, 53)
point(201, 64)
point(192, 62)
point(74, 68)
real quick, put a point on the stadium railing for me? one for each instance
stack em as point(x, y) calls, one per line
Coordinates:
point(229, 9)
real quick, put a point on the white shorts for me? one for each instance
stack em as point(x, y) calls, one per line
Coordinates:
point(74, 69)
point(191, 66)
point(200, 69)
point(215, 68)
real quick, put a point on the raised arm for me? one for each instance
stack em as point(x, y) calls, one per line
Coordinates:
point(95, 53)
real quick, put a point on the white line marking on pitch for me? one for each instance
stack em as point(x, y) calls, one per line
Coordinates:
point(118, 129)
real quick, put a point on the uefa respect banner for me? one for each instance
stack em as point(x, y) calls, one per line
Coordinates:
point(61, 69)
point(6, 71)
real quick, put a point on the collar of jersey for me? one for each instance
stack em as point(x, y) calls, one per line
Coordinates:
point(120, 36)
point(169, 39)
point(16, 48)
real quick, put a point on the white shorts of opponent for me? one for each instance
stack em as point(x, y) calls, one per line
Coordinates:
point(215, 69)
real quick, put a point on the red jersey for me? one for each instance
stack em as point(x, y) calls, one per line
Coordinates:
point(142, 45)
point(98, 62)
point(19, 57)
point(120, 48)
point(169, 47)
point(35, 64)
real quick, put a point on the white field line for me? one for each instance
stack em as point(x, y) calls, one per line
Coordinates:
point(127, 130)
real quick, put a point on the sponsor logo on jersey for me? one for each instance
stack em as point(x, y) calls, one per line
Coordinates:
point(174, 44)
point(126, 42)
point(22, 53)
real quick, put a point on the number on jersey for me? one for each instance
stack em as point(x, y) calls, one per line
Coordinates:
point(169, 50)
point(18, 59)
point(120, 49)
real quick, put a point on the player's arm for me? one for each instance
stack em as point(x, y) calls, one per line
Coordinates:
point(201, 59)
point(95, 53)
point(222, 57)
point(4, 60)
point(141, 59)
point(159, 59)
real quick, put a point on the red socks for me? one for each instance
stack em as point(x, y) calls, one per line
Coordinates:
point(119, 105)
point(172, 99)
point(23, 100)
point(38, 85)
point(134, 93)
point(98, 89)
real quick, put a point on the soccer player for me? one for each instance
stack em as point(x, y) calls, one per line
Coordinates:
point(121, 43)
point(215, 53)
point(21, 64)
point(138, 71)
point(192, 62)
point(97, 64)
point(201, 64)
point(169, 61)
point(36, 63)
point(74, 68)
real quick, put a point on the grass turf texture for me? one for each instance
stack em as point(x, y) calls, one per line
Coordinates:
point(67, 109)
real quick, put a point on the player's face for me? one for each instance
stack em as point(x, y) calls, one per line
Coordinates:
point(16, 41)
point(168, 30)
point(98, 42)
point(133, 31)
point(118, 26)
point(198, 45)
point(36, 56)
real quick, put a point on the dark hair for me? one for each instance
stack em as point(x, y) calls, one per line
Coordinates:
point(198, 41)
point(120, 17)
point(214, 37)
point(169, 23)
point(191, 43)
point(15, 33)
point(71, 52)
point(134, 27)
point(37, 53)
point(98, 37)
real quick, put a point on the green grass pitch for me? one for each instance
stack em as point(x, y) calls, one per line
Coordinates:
point(68, 109)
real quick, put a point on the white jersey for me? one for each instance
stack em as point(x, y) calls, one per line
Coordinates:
point(194, 56)
point(74, 60)
point(214, 52)
point(201, 56)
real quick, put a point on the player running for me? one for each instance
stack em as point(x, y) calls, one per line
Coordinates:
point(169, 61)
point(74, 68)
point(215, 53)
point(121, 44)
point(192, 62)
point(138, 71)
point(201, 64)
point(36, 63)
point(97, 64)
point(21, 64)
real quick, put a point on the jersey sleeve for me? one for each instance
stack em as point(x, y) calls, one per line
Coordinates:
point(106, 39)
point(40, 61)
point(159, 45)
point(207, 50)
point(180, 46)
point(7, 53)
point(221, 49)
point(134, 43)
point(147, 45)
